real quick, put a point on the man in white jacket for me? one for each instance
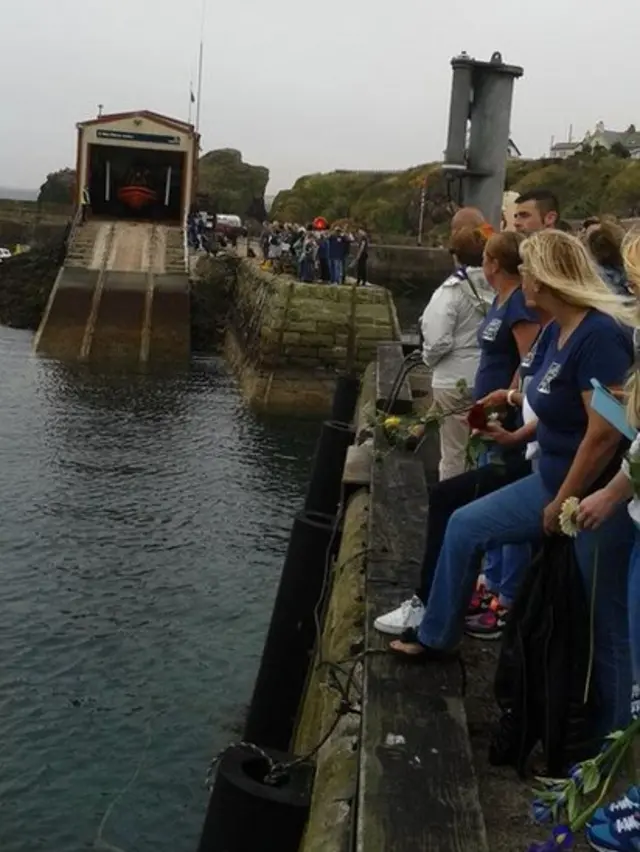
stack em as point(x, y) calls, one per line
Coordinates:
point(450, 348)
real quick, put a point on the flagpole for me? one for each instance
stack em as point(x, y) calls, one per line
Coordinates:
point(200, 63)
point(191, 99)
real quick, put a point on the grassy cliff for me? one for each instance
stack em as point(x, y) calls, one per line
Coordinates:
point(388, 202)
point(226, 184)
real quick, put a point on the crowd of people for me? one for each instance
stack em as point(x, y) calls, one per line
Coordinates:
point(315, 253)
point(526, 322)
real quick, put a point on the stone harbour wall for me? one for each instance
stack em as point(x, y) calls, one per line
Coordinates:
point(288, 340)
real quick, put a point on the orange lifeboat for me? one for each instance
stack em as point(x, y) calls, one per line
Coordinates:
point(137, 197)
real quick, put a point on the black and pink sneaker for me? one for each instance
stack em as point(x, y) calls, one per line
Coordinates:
point(480, 602)
point(488, 624)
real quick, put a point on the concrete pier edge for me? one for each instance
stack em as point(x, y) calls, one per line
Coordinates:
point(398, 775)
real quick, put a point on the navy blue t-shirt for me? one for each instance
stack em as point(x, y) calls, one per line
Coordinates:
point(531, 362)
point(336, 247)
point(599, 348)
point(499, 356)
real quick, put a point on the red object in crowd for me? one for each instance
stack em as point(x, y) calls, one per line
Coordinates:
point(477, 417)
point(320, 224)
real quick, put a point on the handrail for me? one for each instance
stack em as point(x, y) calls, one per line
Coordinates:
point(76, 221)
point(185, 245)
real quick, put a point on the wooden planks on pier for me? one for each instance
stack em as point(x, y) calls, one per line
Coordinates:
point(389, 366)
point(417, 784)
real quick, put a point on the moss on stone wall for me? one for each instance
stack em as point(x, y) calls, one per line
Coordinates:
point(334, 790)
point(290, 336)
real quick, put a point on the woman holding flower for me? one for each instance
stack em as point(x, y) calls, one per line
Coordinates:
point(579, 451)
point(501, 339)
point(505, 336)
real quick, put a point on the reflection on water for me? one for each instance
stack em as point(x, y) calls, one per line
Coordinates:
point(143, 526)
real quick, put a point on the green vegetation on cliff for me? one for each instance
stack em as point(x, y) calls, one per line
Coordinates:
point(226, 184)
point(388, 202)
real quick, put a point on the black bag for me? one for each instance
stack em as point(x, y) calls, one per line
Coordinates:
point(544, 666)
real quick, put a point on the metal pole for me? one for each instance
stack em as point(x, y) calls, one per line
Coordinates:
point(167, 187)
point(200, 62)
point(423, 199)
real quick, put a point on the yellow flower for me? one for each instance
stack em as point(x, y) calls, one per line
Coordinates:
point(391, 422)
point(568, 515)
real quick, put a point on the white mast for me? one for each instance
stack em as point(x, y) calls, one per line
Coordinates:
point(200, 62)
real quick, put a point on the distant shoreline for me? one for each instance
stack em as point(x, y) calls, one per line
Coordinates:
point(8, 193)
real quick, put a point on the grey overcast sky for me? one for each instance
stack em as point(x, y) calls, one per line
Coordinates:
point(306, 87)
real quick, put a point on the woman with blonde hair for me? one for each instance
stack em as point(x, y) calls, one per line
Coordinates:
point(579, 452)
point(617, 823)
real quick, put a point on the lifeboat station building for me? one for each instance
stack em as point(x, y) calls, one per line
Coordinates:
point(137, 165)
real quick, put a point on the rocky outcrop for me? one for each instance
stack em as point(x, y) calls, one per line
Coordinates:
point(226, 184)
point(212, 290)
point(58, 187)
point(25, 283)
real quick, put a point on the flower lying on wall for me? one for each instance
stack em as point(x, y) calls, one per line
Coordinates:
point(587, 787)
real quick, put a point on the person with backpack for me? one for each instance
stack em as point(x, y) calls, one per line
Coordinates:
point(449, 333)
point(590, 339)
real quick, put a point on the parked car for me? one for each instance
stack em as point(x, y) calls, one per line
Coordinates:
point(4, 254)
point(230, 226)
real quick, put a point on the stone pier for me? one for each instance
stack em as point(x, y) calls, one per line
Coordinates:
point(287, 341)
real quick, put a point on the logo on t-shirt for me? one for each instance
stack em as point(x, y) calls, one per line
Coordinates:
point(491, 330)
point(527, 361)
point(553, 371)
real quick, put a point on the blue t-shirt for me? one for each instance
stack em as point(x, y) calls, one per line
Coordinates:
point(336, 247)
point(499, 356)
point(599, 348)
point(531, 362)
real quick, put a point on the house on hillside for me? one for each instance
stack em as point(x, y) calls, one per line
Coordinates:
point(562, 150)
point(629, 139)
point(600, 136)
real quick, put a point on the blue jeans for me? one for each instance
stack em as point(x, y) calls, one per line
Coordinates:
point(504, 566)
point(634, 621)
point(335, 271)
point(307, 269)
point(513, 515)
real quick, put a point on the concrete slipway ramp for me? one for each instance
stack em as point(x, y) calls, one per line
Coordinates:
point(121, 296)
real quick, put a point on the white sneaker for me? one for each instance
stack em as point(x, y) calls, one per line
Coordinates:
point(408, 614)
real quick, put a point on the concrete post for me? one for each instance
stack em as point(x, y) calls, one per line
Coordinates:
point(486, 90)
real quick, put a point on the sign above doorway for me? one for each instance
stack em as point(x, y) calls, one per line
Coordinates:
point(148, 138)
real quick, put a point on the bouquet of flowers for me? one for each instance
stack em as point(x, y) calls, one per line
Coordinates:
point(409, 431)
point(586, 788)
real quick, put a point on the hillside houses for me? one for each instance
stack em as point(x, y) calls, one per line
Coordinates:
point(628, 139)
